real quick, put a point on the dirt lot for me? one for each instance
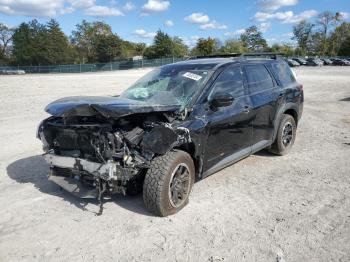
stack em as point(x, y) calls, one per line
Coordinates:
point(264, 208)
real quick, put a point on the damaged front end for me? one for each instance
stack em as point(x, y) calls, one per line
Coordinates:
point(95, 153)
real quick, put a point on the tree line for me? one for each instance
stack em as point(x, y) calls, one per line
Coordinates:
point(33, 43)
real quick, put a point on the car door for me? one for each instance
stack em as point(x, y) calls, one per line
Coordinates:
point(230, 127)
point(264, 96)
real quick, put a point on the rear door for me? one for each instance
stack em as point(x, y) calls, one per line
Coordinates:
point(230, 128)
point(288, 86)
point(264, 96)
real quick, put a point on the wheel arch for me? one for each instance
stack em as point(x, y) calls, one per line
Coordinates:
point(190, 148)
point(289, 109)
point(293, 113)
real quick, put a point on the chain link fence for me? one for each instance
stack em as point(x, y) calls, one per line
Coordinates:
point(82, 68)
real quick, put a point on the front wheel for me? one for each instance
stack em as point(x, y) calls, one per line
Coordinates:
point(285, 136)
point(168, 183)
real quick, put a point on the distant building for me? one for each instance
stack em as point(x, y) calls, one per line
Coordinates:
point(138, 57)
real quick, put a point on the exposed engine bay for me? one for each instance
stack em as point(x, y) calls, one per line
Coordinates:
point(106, 155)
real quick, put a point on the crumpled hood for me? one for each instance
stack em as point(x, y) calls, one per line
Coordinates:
point(106, 106)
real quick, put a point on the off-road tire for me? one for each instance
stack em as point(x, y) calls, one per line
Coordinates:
point(278, 147)
point(157, 182)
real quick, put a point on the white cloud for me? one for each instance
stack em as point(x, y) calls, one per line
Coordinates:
point(287, 17)
point(302, 16)
point(155, 6)
point(204, 21)
point(32, 8)
point(190, 41)
point(52, 8)
point(213, 25)
point(235, 33)
point(169, 23)
point(9, 26)
point(144, 34)
point(271, 40)
point(197, 18)
point(102, 11)
point(263, 27)
point(129, 6)
point(345, 15)
point(272, 5)
point(262, 17)
point(81, 4)
point(288, 35)
point(67, 10)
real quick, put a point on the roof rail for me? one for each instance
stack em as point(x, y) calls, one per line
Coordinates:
point(268, 55)
point(229, 55)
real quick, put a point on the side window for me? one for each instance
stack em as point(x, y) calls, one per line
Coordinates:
point(258, 78)
point(283, 73)
point(229, 81)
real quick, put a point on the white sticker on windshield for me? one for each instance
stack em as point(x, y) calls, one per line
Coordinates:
point(192, 76)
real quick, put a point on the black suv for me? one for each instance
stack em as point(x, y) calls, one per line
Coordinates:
point(179, 123)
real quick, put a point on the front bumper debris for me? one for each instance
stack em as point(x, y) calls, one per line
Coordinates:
point(74, 187)
point(102, 173)
point(106, 171)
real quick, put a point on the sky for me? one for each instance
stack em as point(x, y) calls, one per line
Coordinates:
point(138, 20)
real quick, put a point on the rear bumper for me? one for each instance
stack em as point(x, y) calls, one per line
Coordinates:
point(301, 109)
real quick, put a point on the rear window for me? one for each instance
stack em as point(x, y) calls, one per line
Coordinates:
point(283, 73)
point(258, 78)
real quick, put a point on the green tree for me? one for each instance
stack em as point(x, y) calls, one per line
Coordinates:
point(6, 34)
point(324, 20)
point(253, 40)
point(344, 49)
point(139, 48)
point(150, 52)
point(282, 49)
point(302, 34)
point(130, 49)
point(108, 48)
point(316, 45)
point(233, 46)
point(338, 37)
point(205, 47)
point(22, 44)
point(40, 44)
point(179, 48)
point(85, 38)
point(58, 49)
point(29, 44)
point(327, 20)
point(162, 46)
point(165, 46)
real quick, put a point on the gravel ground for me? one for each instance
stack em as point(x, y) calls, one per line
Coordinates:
point(264, 208)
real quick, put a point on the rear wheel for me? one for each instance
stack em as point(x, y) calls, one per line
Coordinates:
point(168, 183)
point(285, 136)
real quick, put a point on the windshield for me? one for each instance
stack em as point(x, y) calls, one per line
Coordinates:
point(169, 85)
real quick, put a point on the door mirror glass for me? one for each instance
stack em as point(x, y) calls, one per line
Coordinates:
point(221, 100)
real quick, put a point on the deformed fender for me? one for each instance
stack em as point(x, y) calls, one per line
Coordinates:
point(163, 138)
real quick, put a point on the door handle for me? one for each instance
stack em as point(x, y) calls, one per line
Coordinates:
point(246, 109)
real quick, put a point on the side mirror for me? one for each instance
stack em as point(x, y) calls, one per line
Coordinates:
point(221, 100)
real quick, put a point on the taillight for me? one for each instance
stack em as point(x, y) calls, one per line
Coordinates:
point(300, 87)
